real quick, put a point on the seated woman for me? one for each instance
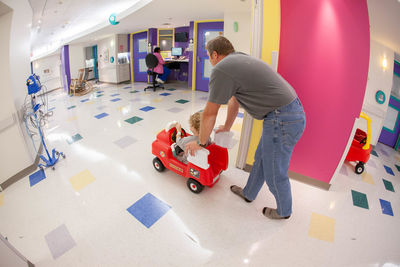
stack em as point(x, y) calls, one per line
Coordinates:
point(179, 147)
point(161, 69)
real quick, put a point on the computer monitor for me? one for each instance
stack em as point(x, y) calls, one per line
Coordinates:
point(176, 51)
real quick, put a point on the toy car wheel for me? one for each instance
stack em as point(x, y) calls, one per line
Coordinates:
point(359, 168)
point(194, 186)
point(158, 165)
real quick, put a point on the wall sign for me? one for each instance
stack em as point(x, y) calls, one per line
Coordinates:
point(111, 59)
point(113, 19)
point(380, 97)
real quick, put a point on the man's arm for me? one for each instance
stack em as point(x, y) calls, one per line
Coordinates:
point(207, 123)
point(233, 109)
point(208, 118)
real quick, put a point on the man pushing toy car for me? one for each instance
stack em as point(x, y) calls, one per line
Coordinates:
point(241, 80)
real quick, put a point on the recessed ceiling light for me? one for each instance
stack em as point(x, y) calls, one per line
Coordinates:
point(39, 21)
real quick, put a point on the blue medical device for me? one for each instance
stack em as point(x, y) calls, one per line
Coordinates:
point(34, 86)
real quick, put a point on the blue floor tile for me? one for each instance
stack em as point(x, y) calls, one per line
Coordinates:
point(36, 177)
point(114, 95)
point(239, 115)
point(148, 210)
point(388, 170)
point(386, 207)
point(85, 100)
point(165, 94)
point(115, 99)
point(147, 108)
point(101, 115)
point(51, 109)
point(127, 87)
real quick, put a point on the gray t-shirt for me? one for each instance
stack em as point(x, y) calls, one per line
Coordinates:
point(257, 87)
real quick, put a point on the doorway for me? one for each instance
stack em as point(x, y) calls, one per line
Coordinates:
point(206, 31)
point(391, 126)
point(138, 54)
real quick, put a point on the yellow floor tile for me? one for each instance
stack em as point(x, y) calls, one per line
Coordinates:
point(237, 127)
point(322, 227)
point(157, 100)
point(81, 180)
point(1, 199)
point(90, 102)
point(73, 118)
point(367, 178)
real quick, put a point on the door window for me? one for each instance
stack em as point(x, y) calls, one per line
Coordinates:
point(391, 119)
point(142, 45)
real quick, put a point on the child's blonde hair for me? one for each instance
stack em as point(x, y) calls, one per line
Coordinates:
point(194, 120)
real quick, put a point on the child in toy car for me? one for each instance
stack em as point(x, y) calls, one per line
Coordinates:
point(203, 170)
point(178, 148)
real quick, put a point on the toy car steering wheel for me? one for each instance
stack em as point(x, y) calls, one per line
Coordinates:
point(363, 141)
point(173, 135)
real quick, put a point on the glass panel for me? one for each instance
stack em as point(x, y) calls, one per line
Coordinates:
point(123, 58)
point(391, 118)
point(207, 68)
point(209, 35)
point(165, 32)
point(142, 45)
point(165, 43)
point(142, 65)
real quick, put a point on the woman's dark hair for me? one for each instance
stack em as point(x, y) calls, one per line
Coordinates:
point(157, 50)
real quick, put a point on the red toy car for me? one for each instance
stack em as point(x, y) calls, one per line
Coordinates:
point(360, 149)
point(197, 177)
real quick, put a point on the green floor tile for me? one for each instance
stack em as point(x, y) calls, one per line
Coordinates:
point(373, 152)
point(134, 91)
point(74, 138)
point(398, 167)
point(99, 95)
point(182, 101)
point(171, 89)
point(71, 107)
point(388, 185)
point(133, 120)
point(360, 199)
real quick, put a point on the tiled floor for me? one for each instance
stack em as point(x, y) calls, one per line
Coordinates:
point(105, 204)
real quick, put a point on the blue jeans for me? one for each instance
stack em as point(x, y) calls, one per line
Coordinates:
point(282, 128)
point(165, 74)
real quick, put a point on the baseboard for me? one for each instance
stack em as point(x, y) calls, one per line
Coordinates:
point(25, 172)
point(301, 178)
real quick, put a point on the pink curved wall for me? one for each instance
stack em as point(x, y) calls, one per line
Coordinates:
point(324, 55)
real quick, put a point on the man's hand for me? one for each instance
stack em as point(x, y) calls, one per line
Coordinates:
point(222, 128)
point(191, 148)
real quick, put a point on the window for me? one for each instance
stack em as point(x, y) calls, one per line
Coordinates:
point(165, 39)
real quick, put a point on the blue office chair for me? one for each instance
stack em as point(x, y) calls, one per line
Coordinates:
point(151, 63)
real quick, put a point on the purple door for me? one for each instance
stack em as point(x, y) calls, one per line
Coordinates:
point(391, 126)
point(139, 50)
point(205, 32)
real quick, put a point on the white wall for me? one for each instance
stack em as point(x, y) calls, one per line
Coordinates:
point(378, 79)
point(77, 59)
point(16, 151)
point(241, 38)
point(52, 79)
point(107, 70)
